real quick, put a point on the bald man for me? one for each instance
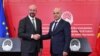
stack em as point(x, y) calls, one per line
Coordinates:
point(28, 28)
point(60, 35)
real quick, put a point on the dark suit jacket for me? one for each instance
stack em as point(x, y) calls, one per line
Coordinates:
point(60, 37)
point(24, 32)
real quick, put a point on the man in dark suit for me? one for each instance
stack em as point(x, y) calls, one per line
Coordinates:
point(60, 35)
point(28, 28)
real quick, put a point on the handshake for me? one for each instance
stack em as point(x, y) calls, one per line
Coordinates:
point(35, 36)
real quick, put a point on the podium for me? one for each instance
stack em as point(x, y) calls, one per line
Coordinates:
point(85, 49)
point(15, 51)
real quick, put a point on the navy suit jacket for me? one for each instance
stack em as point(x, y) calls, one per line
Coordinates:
point(60, 37)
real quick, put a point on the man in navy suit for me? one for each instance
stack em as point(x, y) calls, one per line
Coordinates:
point(60, 35)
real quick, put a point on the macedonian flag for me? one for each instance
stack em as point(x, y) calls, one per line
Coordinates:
point(98, 42)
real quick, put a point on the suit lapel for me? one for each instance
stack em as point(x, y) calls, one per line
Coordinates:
point(59, 26)
point(30, 23)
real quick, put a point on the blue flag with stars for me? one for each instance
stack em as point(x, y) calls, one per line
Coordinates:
point(3, 26)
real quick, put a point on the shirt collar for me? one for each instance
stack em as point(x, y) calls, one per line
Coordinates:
point(57, 20)
point(31, 17)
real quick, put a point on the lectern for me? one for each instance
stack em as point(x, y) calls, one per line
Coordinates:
point(84, 50)
point(15, 50)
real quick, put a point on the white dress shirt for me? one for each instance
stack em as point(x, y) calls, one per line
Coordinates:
point(56, 24)
point(31, 19)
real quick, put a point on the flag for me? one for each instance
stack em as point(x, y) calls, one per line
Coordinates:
point(98, 42)
point(12, 28)
point(3, 25)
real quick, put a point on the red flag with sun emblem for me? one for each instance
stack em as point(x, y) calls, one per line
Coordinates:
point(98, 42)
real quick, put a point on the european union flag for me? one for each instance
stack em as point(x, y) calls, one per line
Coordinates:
point(3, 26)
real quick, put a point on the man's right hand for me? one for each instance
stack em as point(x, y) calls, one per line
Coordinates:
point(35, 36)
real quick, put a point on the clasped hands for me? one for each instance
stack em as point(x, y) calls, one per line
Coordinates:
point(35, 36)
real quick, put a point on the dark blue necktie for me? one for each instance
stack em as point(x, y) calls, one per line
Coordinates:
point(55, 24)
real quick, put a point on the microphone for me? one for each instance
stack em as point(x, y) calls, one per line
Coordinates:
point(80, 33)
point(75, 43)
